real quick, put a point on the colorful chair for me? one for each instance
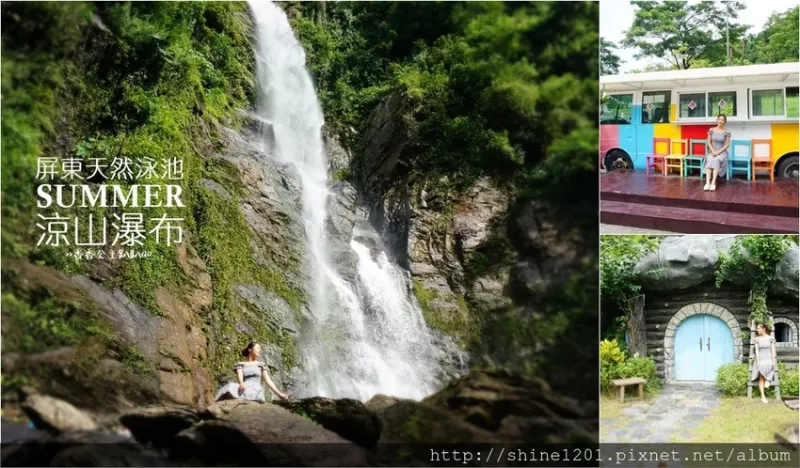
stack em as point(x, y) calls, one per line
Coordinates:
point(763, 162)
point(741, 157)
point(674, 160)
point(695, 160)
point(653, 160)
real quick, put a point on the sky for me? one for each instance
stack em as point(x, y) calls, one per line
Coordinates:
point(617, 15)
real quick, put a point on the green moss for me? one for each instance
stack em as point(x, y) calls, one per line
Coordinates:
point(226, 174)
point(136, 361)
point(342, 175)
point(49, 321)
point(459, 324)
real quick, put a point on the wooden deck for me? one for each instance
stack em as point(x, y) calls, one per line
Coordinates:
point(679, 204)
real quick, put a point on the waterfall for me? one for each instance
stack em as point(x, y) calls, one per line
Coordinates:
point(363, 338)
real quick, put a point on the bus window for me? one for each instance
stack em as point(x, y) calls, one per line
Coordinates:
point(616, 109)
point(655, 107)
point(691, 105)
point(792, 95)
point(767, 102)
point(723, 102)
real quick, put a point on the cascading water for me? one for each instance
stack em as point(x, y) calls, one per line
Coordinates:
point(365, 338)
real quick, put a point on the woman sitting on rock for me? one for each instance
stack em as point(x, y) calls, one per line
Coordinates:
point(765, 366)
point(249, 374)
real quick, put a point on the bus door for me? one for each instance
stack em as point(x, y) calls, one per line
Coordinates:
point(617, 130)
point(652, 109)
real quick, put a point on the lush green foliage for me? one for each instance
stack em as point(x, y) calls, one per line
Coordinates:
point(486, 96)
point(732, 380)
point(618, 257)
point(611, 353)
point(609, 61)
point(615, 364)
point(756, 256)
point(682, 32)
point(778, 41)
point(693, 35)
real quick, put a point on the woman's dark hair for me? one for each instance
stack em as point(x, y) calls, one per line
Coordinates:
point(724, 117)
point(766, 327)
point(250, 346)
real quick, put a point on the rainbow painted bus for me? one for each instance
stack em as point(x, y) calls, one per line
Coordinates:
point(760, 101)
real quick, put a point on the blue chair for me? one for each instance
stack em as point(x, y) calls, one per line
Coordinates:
point(741, 157)
point(694, 160)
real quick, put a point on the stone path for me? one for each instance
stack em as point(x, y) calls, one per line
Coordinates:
point(671, 415)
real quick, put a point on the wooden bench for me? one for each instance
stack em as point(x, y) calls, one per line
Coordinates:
point(792, 403)
point(621, 383)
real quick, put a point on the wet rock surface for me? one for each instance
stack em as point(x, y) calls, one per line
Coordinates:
point(347, 417)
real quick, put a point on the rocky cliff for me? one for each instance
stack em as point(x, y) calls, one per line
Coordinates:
point(504, 280)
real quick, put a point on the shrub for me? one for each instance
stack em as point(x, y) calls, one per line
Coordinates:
point(644, 367)
point(790, 380)
point(732, 379)
point(610, 352)
point(615, 365)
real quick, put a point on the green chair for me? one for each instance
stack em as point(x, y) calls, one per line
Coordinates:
point(694, 160)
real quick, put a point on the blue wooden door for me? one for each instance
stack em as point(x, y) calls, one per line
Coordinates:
point(719, 346)
point(689, 349)
point(702, 344)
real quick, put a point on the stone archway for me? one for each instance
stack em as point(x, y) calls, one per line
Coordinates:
point(696, 309)
point(792, 326)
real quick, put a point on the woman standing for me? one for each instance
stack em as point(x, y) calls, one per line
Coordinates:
point(716, 162)
point(765, 367)
point(249, 374)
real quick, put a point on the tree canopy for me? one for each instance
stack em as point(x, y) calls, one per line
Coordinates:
point(506, 90)
point(695, 35)
point(609, 61)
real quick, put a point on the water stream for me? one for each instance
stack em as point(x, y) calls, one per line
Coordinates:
point(365, 337)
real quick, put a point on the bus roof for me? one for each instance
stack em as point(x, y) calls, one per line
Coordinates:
point(789, 72)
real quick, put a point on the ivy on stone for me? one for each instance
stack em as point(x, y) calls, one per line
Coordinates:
point(757, 257)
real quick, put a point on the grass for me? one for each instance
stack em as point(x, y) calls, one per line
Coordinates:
point(742, 420)
point(611, 408)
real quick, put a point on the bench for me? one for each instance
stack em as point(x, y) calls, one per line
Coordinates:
point(792, 403)
point(621, 383)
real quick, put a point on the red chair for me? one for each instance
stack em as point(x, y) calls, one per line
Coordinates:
point(657, 157)
point(762, 162)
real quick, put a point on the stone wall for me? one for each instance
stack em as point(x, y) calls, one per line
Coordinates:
point(665, 310)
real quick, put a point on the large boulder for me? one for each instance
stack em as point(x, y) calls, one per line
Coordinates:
point(158, 424)
point(787, 279)
point(347, 417)
point(409, 425)
point(681, 262)
point(257, 434)
point(56, 415)
point(86, 448)
point(102, 386)
point(515, 408)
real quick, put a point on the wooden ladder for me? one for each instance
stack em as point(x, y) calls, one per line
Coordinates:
point(751, 359)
